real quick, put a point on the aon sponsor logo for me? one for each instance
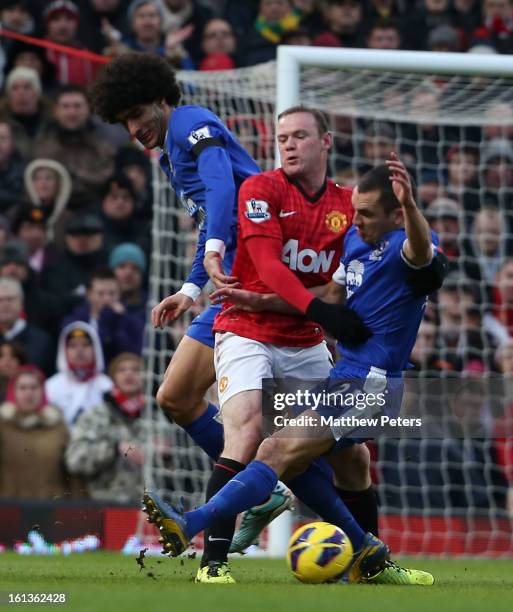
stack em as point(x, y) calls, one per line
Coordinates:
point(306, 260)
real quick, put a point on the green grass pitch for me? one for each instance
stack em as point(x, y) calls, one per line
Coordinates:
point(108, 581)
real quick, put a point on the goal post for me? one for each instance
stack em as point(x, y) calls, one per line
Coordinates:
point(291, 58)
point(431, 108)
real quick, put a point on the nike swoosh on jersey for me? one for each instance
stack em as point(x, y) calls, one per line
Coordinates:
point(211, 539)
point(284, 213)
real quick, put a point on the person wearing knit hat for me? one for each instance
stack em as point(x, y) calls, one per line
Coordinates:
point(62, 19)
point(22, 106)
point(128, 252)
point(14, 251)
point(29, 56)
point(128, 262)
point(21, 73)
point(60, 7)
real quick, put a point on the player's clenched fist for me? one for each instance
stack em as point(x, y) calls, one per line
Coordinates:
point(170, 309)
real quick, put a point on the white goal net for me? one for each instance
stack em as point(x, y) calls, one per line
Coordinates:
point(454, 132)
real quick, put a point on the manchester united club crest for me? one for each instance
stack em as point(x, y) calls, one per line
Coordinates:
point(336, 221)
point(223, 383)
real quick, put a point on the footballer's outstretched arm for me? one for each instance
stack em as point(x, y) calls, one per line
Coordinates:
point(417, 248)
point(272, 302)
point(340, 321)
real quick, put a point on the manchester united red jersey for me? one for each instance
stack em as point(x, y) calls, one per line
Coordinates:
point(311, 230)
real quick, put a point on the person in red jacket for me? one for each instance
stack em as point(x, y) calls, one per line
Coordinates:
point(62, 20)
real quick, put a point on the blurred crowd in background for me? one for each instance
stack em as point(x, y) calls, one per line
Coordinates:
point(76, 214)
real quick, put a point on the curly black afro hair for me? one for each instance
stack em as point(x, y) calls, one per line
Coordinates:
point(130, 80)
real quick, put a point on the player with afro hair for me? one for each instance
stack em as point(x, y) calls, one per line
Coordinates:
point(131, 80)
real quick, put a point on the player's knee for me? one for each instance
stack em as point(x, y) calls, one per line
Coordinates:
point(278, 453)
point(352, 468)
point(178, 406)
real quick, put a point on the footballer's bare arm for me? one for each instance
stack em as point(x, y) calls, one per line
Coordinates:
point(332, 293)
point(417, 246)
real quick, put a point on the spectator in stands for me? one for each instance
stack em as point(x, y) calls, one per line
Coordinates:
point(62, 18)
point(119, 215)
point(345, 131)
point(24, 108)
point(97, 19)
point(465, 337)
point(119, 331)
point(260, 43)
point(497, 25)
point(83, 254)
point(41, 309)
point(501, 114)
point(107, 442)
point(13, 326)
point(343, 24)
point(385, 33)
point(33, 439)
point(418, 24)
point(444, 38)
point(22, 54)
point(503, 296)
point(30, 226)
point(128, 262)
point(80, 383)
point(187, 18)
point(445, 217)
point(424, 355)
point(311, 18)
point(466, 15)
point(219, 45)
point(421, 138)
point(497, 170)
point(462, 179)
point(379, 140)
point(146, 25)
point(11, 169)
point(17, 15)
point(429, 186)
point(489, 245)
point(134, 164)
point(48, 186)
point(72, 142)
point(12, 356)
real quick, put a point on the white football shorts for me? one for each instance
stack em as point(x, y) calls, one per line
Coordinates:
point(242, 363)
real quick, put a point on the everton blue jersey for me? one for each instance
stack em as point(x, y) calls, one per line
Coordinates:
point(376, 288)
point(206, 165)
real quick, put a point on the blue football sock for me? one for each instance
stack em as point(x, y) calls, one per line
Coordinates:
point(245, 489)
point(316, 490)
point(207, 432)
